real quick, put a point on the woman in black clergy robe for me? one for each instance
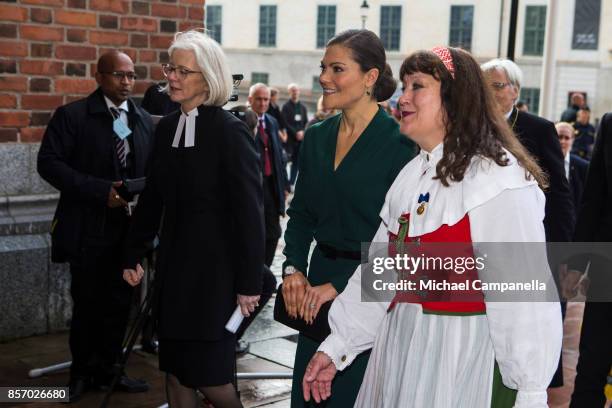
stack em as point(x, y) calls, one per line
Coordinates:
point(205, 189)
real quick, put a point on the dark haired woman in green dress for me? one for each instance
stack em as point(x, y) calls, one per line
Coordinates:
point(347, 164)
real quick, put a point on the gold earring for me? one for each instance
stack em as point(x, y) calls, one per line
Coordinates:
point(368, 92)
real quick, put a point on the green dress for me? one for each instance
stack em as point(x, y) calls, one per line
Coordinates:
point(339, 208)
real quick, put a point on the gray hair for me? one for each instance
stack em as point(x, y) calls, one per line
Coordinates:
point(513, 72)
point(212, 62)
point(293, 85)
point(257, 86)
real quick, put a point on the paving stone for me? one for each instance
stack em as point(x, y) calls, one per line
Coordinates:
point(255, 393)
point(280, 351)
point(286, 403)
point(265, 327)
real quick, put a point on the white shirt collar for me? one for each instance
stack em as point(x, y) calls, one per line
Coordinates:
point(434, 156)
point(109, 104)
point(190, 119)
point(507, 115)
point(261, 119)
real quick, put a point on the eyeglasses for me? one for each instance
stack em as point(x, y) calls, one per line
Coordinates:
point(500, 85)
point(181, 72)
point(131, 76)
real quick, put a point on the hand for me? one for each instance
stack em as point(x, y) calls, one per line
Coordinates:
point(247, 304)
point(282, 134)
point(318, 377)
point(114, 199)
point(314, 297)
point(133, 277)
point(299, 135)
point(569, 282)
point(294, 288)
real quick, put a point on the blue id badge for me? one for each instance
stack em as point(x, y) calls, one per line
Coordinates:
point(121, 129)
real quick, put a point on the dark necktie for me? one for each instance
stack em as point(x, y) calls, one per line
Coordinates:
point(265, 140)
point(119, 143)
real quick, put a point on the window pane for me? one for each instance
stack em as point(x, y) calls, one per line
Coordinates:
point(213, 22)
point(267, 26)
point(390, 26)
point(535, 26)
point(259, 77)
point(326, 24)
point(531, 96)
point(461, 23)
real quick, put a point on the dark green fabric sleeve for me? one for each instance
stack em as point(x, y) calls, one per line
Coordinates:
point(302, 221)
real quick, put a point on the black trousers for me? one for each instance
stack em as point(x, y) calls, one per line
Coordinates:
point(595, 358)
point(101, 304)
point(271, 219)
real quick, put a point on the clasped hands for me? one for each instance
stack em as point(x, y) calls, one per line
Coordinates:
point(303, 300)
point(247, 303)
point(114, 199)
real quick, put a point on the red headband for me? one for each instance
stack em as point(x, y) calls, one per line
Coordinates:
point(447, 59)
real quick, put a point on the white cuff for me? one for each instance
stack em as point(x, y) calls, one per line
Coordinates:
point(531, 399)
point(335, 348)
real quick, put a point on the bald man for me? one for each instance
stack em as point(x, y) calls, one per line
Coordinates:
point(90, 147)
point(577, 102)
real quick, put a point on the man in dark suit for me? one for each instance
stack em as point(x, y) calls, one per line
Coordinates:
point(276, 185)
point(296, 117)
point(275, 111)
point(539, 136)
point(157, 102)
point(276, 189)
point(595, 225)
point(577, 103)
point(89, 147)
point(585, 134)
point(575, 167)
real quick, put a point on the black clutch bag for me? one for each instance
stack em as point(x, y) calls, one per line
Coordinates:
point(318, 330)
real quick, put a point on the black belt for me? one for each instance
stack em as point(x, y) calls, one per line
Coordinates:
point(333, 253)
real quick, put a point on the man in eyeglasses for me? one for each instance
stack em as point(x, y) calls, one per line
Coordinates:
point(540, 138)
point(89, 147)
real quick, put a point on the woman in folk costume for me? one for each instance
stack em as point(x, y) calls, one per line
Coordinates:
point(472, 182)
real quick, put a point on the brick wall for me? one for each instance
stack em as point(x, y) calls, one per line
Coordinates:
point(49, 49)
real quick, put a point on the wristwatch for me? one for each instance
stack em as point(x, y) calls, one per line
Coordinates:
point(289, 270)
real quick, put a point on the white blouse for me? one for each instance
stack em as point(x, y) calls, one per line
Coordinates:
point(503, 206)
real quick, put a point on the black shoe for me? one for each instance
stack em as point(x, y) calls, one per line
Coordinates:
point(126, 384)
point(77, 387)
point(242, 346)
